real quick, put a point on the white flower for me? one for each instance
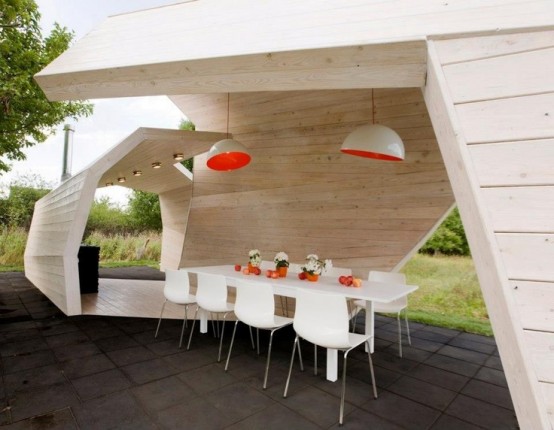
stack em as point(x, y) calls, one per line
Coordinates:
point(314, 265)
point(281, 256)
point(255, 257)
point(312, 257)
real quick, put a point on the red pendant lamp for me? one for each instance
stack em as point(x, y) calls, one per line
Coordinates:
point(227, 154)
point(374, 141)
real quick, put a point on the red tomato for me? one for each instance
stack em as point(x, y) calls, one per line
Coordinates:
point(342, 279)
point(275, 274)
point(257, 271)
point(237, 268)
point(348, 282)
point(268, 273)
point(301, 276)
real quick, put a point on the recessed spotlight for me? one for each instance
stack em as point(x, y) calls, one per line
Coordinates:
point(137, 172)
point(156, 165)
point(178, 157)
point(121, 179)
point(109, 184)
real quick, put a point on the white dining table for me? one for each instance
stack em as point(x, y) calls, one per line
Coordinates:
point(370, 291)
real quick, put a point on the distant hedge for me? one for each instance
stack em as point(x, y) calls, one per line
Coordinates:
point(449, 239)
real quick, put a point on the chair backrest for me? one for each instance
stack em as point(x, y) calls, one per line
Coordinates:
point(255, 303)
point(321, 318)
point(177, 285)
point(336, 271)
point(393, 277)
point(211, 291)
point(295, 268)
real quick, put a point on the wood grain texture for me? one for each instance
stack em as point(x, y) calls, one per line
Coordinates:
point(503, 129)
point(301, 195)
point(327, 45)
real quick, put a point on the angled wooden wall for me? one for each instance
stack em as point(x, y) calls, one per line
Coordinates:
point(492, 104)
point(300, 194)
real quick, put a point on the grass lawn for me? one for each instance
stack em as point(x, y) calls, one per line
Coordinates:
point(449, 294)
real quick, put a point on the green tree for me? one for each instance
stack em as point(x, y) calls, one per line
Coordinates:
point(144, 211)
point(106, 217)
point(187, 125)
point(17, 209)
point(26, 116)
point(449, 238)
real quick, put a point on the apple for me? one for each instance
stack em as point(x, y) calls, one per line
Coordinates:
point(301, 276)
point(342, 279)
point(245, 271)
point(348, 281)
point(268, 273)
point(237, 268)
point(257, 271)
point(274, 274)
point(357, 282)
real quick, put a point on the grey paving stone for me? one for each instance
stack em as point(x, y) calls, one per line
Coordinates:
point(484, 415)
point(275, 417)
point(402, 411)
point(147, 371)
point(100, 384)
point(66, 339)
point(33, 378)
point(463, 354)
point(197, 414)
point(490, 393)
point(28, 360)
point(208, 378)
point(57, 420)
point(88, 365)
point(115, 342)
point(423, 392)
point(472, 345)
point(123, 357)
point(439, 377)
point(452, 365)
point(363, 420)
point(447, 422)
point(493, 376)
point(12, 349)
point(76, 351)
point(163, 393)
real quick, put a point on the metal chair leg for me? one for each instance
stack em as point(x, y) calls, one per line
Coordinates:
point(160, 320)
point(192, 329)
point(407, 325)
point(258, 341)
point(268, 358)
point(251, 337)
point(221, 339)
point(231, 346)
point(300, 357)
point(399, 335)
point(315, 359)
point(183, 328)
point(343, 391)
point(371, 370)
point(290, 367)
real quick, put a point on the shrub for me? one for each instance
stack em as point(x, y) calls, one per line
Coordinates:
point(449, 238)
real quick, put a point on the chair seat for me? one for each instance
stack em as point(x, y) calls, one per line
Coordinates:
point(227, 307)
point(189, 300)
point(387, 308)
point(278, 321)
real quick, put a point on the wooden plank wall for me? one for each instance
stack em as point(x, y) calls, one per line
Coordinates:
point(498, 144)
point(300, 194)
point(53, 242)
point(174, 206)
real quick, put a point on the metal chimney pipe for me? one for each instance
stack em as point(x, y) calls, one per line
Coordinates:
point(67, 152)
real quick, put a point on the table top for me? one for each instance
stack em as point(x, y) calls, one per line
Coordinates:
point(370, 290)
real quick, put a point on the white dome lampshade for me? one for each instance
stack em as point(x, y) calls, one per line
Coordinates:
point(227, 154)
point(374, 141)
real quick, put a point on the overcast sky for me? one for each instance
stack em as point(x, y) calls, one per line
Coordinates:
point(113, 119)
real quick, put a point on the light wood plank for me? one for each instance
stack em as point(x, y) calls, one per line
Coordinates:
point(517, 118)
point(541, 345)
point(527, 256)
point(521, 209)
point(502, 77)
point(511, 163)
point(535, 302)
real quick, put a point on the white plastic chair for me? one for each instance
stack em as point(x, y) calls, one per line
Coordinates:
point(394, 307)
point(323, 320)
point(211, 296)
point(255, 307)
point(336, 272)
point(177, 290)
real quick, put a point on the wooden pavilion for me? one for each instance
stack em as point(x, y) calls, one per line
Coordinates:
point(468, 85)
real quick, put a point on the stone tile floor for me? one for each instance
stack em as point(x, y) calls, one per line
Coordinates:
point(84, 372)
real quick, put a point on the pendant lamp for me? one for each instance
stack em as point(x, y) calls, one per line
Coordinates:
point(227, 154)
point(374, 141)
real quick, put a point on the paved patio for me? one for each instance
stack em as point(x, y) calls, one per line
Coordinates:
point(87, 372)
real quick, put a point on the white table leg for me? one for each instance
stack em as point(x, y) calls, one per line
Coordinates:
point(332, 364)
point(203, 316)
point(369, 323)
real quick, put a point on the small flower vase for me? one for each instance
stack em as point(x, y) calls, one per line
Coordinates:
point(312, 278)
point(282, 271)
point(251, 267)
